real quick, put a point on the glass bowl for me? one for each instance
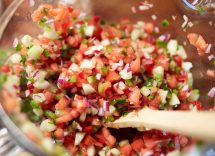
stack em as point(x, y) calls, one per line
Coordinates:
point(111, 11)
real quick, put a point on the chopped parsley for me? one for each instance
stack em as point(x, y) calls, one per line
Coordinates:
point(165, 23)
point(18, 47)
point(118, 101)
point(50, 115)
point(73, 79)
point(42, 22)
point(46, 53)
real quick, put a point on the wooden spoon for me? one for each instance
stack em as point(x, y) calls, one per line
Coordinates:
point(196, 124)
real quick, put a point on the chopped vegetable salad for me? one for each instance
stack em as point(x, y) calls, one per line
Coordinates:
point(82, 72)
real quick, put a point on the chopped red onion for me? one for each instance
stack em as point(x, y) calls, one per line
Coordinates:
point(49, 21)
point(208, 50)
point(164, 37)
point(106, 106)
point(177, 143)
point(101, 112)
point(114, 66)
point(60, 81)
point(67, 97)
point(185, 21)
point(211, 93)
point(15, 42)
point(36, 73)
point(31, 3)
point(148, 153)
point(211, 57)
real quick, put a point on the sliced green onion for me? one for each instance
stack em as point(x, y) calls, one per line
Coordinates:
point(50, 114)
point(34, 105)
point(118, 101)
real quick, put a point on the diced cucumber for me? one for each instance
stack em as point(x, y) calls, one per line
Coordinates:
point(187, 66)
point(172, 47)
point(158, 72)
point(89, 30)
point(35, 52)
point(145, 91)
point(194, 95)
point(181, 52)
point(51, 34)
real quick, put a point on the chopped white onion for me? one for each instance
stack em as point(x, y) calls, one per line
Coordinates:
point(79, 137)
point(39, 97)
point(174, 153)
point(133, 9)
point(208, 50)
point(163, 95)
point(185, 21)
point(181, 52)
point(174, 100)
point(74, 67)
point(41, 85)
point(92, 49)
point(158, 71)
point(38, 112)
point(145, 91)
point(31, 3)
point(122, 85)
point(88, 89)
point(115, 151)
point(105, 42)
point(35, 52)
point(98, 76)
point(135, 34)
point(123, 142)
point(15, 58)
point(89, 30)
point(112, 109)
point(187, 66)
point(91, 151)
point(87, 64)
point(172, 47)
point(51, 34)
point(154, 17)
point(126, 74)
point(148, 49)
point(114, 66)
point(47, 126)
point(15, 42)
point(26, 40)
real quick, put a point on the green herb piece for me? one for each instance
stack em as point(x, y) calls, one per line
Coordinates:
point(118, 101)
point(65, 47)
point(109, 118)
point(46, 53)
point(129, 82)
point(102, 22)
point(50, 114)
point(25, 105)
point(73, 79)
point(23, 80)
point(165, 23)
point(64, 54)
point(74, 18)
point(18, 47)
point(91, 79)
point(3, 56)
point(42, 22)
point(34, 105)
point(200, 9)
point(151, 97)
point(104, 69)
point(123, 53)
point(161, 106)
point(24, 58)
point(161, 44)
point(170, 144)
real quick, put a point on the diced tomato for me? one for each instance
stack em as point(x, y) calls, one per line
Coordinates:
point(88, 129)
point(112, 76)
point(125, 150)
point(171, 81)
point(178, 60)
point(63, 103)
point(154, 103)
point(184, 106)
point(149, 27)
point(163, 61)
point(183, 94)
point(49, 96)
point(137, 145)
point(109, 139)
point(198, 105)
point(79, 103)
point(134, 96)
point(135, 66)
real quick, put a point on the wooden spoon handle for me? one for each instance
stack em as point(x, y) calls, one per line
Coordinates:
point(197, 124)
